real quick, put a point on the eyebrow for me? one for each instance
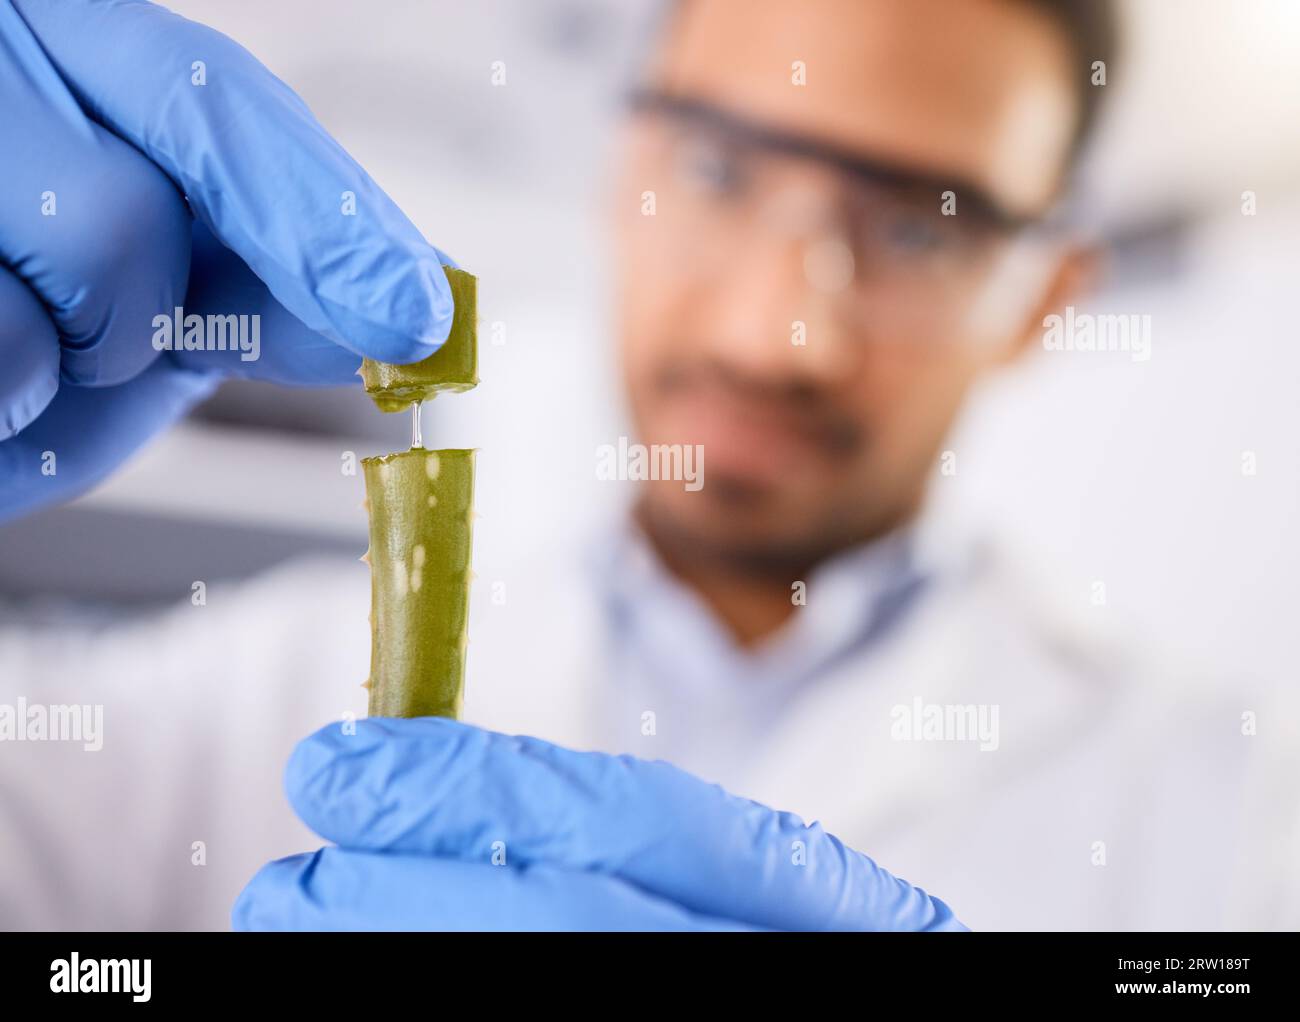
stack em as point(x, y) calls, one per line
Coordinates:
point(974, 198)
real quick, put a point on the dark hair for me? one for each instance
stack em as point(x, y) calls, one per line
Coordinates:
point(1093, 30)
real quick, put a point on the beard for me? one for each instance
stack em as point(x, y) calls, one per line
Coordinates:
point(742, 535)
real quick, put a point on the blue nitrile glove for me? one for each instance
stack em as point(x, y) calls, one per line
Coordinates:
point(127, 188)
point(440, 825)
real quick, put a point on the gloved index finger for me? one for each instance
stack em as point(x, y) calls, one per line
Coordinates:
point(258, 170)
point(446, 789)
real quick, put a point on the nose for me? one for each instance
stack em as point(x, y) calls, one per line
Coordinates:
point(772, 312)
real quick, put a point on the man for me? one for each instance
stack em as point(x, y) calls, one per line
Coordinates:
point(834, 217)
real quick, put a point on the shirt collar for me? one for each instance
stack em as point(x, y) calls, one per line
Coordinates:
point(849, 601)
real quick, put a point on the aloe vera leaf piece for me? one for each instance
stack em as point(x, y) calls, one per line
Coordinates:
point(453, 367)
point(421, 513)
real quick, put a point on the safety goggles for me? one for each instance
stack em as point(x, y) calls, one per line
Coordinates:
point(903, 255)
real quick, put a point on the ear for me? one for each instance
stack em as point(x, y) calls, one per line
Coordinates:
point(1077, 272)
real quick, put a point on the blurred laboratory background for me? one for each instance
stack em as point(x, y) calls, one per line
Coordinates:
point(1137, 474)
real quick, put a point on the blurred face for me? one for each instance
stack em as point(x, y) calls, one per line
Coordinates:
point(819, 258)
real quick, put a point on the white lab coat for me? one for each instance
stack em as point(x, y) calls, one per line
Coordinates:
point(1117, 798)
